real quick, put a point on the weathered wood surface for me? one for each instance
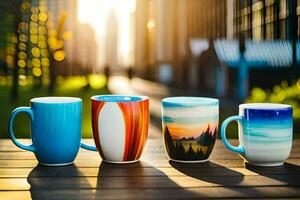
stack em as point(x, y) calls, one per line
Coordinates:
point(154, 177)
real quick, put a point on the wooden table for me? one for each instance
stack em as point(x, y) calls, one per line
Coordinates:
point(224, 176)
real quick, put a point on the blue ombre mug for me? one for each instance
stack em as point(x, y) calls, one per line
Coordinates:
point(55, 129)
point(265, 133)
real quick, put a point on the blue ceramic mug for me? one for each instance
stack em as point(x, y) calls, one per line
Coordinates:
point(265, 133)
point(55, 129)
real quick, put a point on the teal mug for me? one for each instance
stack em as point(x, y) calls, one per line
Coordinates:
point(265, 133)
point(55, 129)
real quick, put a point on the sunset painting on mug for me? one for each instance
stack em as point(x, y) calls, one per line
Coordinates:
point(190, 130)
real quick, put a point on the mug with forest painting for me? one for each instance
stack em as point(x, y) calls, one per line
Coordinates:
point(190, 126)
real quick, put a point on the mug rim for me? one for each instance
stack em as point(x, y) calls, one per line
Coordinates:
point(55, 100)
point(265, 106)
point(119, 98)
point(190, 100)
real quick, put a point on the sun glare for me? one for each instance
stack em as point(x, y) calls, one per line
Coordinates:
point(97, 12)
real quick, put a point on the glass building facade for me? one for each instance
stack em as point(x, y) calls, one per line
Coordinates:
point(267, 20)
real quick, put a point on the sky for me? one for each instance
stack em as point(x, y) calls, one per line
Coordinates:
point(95, 12)
point(190, 121)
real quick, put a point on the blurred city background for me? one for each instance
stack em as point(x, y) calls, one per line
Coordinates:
point(235, 50)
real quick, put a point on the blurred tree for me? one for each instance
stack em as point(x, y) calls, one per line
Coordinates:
point(56, 48)
point(8, 38)
point(190, 154)
point(130, 72)
point(16, 38)
point(107, 74)
point(37, 44)
point(169, 142)
point(22, 70)
point(33, 46)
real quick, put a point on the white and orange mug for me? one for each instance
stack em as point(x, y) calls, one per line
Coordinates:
point(120, 127)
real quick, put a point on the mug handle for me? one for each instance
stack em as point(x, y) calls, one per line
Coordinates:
point(239, 149)
point(88, 147)
point(14, 113)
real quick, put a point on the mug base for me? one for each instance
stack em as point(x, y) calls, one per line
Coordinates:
point(273, 164)
point(121, 162)
point(56, 165)
point(189, 161)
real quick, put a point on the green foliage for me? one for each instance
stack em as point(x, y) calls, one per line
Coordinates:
point(195, 146)
point(282, 93)
point(208, 138)
point(73, 86)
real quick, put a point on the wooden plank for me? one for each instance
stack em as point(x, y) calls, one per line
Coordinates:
point(152, 145)
point(22, 155)
point(8, 142)
point(16, 195)
point(147, 182)
point(145, 163)
point(153, 150)
point(225, 176)
point(8, 145)
point(191, 193)
point(106, 170)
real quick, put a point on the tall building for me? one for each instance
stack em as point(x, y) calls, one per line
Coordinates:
point(8, 21)
point(56, 10)
point(164, 29)
point(87, 49)
point(111, 41)
point(141, 36)
point(269, 19)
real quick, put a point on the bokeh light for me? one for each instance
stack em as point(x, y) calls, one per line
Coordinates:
point(42, 37)
point(9, 60)
point(97, 81)
point(68, 35)
point(25, 5)
point(52, 33)
point(59, 55)
point(36, 71)
point(36, 62)
point(29, 63)
point(52, 42)
point(22, 55)
point(34, 17)
point(33, 31)
point(23, 26)
point(21, 63)
point(59, 44)
point(42, 30)
point(34, 10)
point(35, 52)
point(44, 53)
point(45, 62)
point(34, 39)
point(23, 38)
point(43, 17)
point(22, 80)
point(43, 8)
point(42, 44)
point(22, 46)
point(33, 24)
